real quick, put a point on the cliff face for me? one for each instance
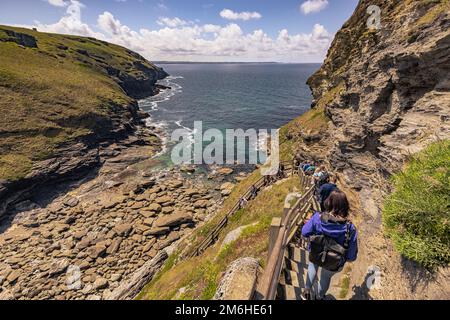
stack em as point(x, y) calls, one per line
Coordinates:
point(63, 99)
point(394, 84)
point(386, 94)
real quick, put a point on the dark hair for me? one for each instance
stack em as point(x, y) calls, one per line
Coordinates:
point(337, 204)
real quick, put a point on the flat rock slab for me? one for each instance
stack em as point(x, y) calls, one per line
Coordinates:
point(175, 219)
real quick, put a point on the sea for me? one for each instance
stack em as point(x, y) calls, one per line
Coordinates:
point(222, 96)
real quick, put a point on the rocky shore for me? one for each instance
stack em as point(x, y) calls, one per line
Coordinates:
point(84, 239)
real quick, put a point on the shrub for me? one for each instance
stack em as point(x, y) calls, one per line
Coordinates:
point(416, 215)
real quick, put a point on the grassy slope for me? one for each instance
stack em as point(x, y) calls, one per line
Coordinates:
point(416, 215)
point(54, 94)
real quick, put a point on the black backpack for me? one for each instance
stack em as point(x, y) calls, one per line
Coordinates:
point(327, 252)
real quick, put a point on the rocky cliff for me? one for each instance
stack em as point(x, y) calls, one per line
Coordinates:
point(64, 98)
point(384, 95)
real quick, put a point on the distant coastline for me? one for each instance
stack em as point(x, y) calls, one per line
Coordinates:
point(211, 62)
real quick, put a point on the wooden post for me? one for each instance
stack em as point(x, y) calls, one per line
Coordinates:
point(273, 233)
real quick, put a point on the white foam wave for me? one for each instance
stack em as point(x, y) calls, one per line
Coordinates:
point(191, 132)
point(152, 104)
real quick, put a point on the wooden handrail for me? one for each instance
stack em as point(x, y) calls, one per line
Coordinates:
point(267, 288)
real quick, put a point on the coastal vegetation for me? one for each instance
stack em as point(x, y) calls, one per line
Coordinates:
point(56, 90)
point(417, 214)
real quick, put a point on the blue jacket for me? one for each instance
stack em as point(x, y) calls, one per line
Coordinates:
point(315, 226)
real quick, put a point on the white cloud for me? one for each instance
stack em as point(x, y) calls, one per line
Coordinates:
point(171, 22)
point(231, 15)
point(161, 6)
point(178, 39)
point(312, 6)
point(71, 23)
point(58, 3)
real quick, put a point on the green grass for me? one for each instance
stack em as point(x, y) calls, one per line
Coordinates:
point(54, 95)
point(439, 7)
point(417, 214)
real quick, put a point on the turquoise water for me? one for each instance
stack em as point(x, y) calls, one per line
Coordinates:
point(230, 96)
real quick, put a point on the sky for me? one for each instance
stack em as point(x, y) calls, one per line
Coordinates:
point(194, 30)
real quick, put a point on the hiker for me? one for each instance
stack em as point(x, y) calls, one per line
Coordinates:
point(304, 166)
point(321, 177)
point(253, 192)
point(319, 172)
point(332, 242)
point(309, 171)
point(266, 180)
point(242, 203)
point(280, 173)
point(325, 190)
point(297, 160)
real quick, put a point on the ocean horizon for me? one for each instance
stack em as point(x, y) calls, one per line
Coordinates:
point(260, 96)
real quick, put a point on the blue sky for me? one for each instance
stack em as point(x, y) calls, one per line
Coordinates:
point(195, 30)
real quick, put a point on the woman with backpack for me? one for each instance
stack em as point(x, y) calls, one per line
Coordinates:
point(333, 242)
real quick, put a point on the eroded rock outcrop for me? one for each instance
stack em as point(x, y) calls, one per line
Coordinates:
point(76, 136)
point(387, 94)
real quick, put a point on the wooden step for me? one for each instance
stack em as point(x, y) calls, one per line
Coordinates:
point(292, 278)
point(295, 266)
point(297, 254)
point(287, 292)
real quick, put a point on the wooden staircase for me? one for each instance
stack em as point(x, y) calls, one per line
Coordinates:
point(292, 278)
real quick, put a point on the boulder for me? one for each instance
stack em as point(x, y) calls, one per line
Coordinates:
point(154, 207)
point(157, 231)
point(148, 222)
point(167, 210)
point(191, 192)
point(58, 267)
point(123, 229)
point(14, 275)
point(226, 189)
point(71, 202)
point(96, 251)
point(174, 236)
point(100, 283)
point(187, 169)
point(163, 200)
point(201, 204)
point(239, 281)
point(176, 184)
point(114, 247)
point(225, 171)
point(149, 245)
point(174, 219)
point(26, 205)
